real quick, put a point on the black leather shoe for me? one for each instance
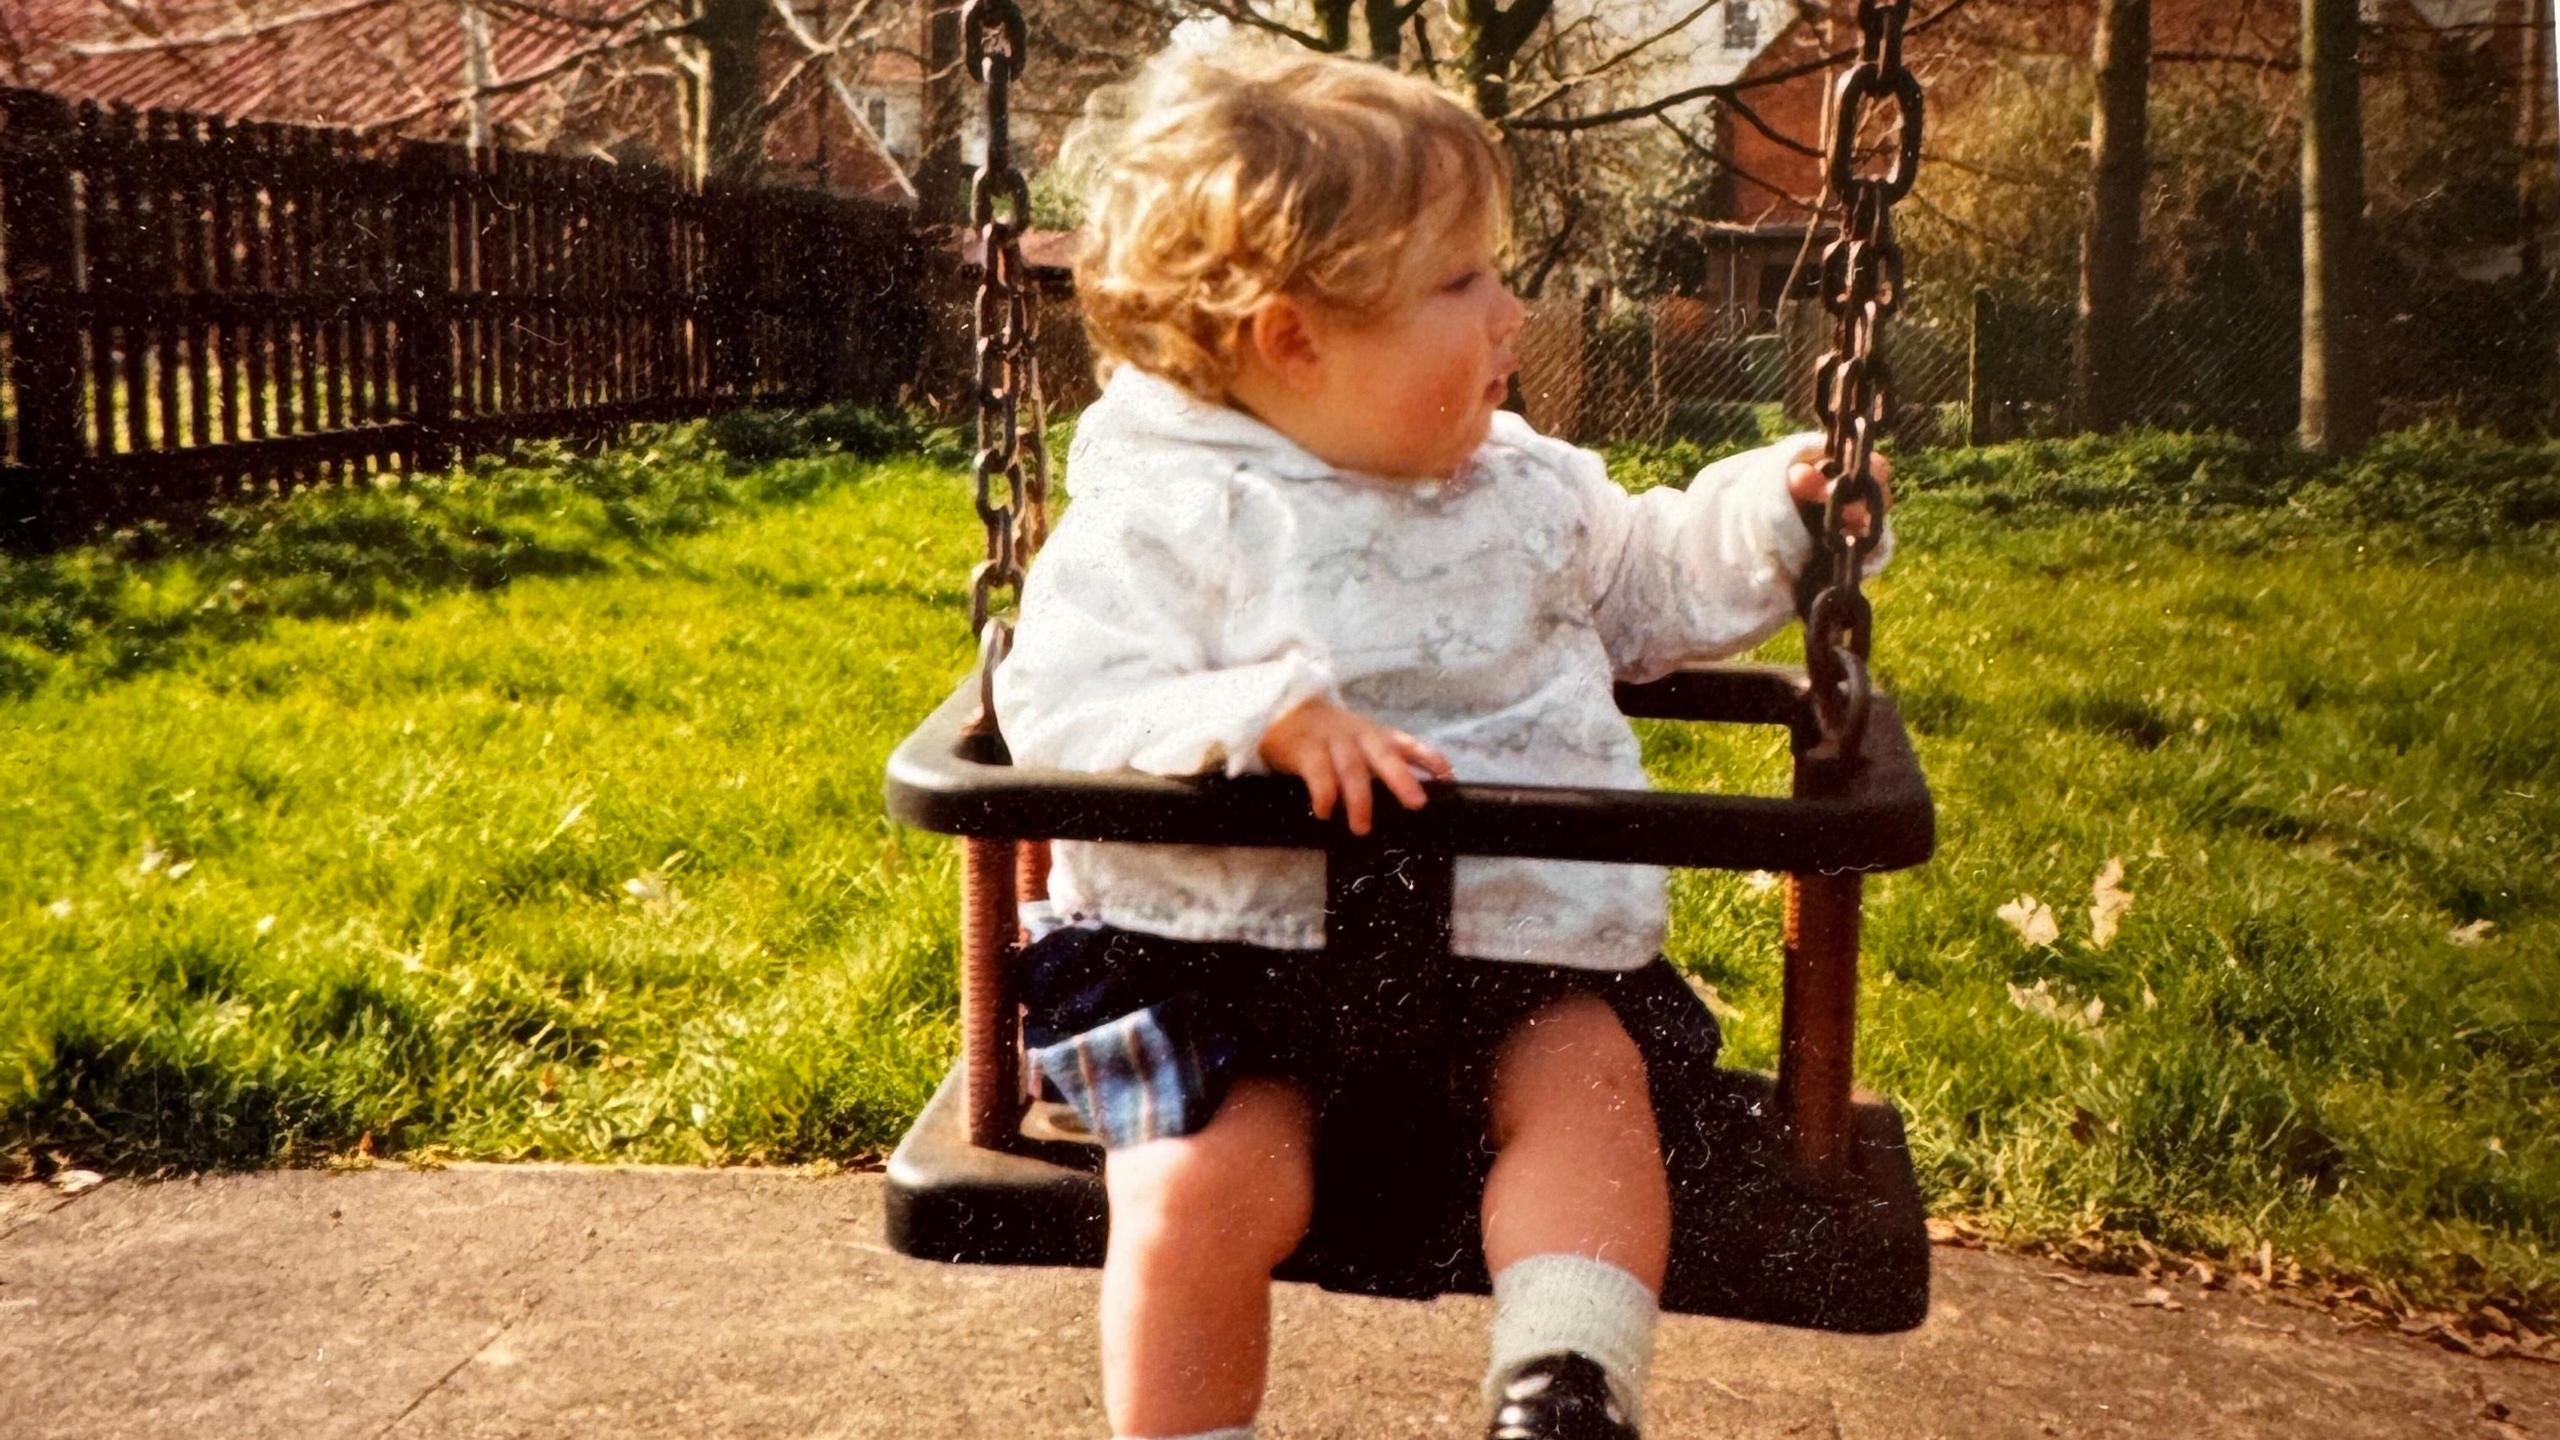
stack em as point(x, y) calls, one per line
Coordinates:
point(1560, 1397)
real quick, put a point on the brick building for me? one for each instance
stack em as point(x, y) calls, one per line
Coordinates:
point(1786, 85)
point(1773, 132)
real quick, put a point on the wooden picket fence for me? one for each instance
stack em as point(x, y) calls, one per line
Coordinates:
point(196, 308)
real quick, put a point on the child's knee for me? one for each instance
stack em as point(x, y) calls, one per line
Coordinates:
point(1242, 1187)
point(1572, 1061)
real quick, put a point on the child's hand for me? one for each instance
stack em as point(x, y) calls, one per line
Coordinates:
point(1805, 483)
point(1337, 752)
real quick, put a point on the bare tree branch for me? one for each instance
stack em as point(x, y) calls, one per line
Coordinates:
point(1708, 153)
point(852, 104)
point(1726, 91)
point(251, 31)
point(580, 20)
point(1967, 227)
point(1992, 172)
point(1740, 108)
point(2263, 61)
point(530, 78)
point(1623, 56)
point(1248, 16)
point(1536, 280)
point(798, 30)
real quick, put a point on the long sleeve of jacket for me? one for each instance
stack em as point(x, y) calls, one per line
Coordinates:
point(1685, 575)
point(1116, 664)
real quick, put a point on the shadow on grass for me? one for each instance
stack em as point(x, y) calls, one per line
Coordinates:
point(108, 610)
point(131, 1105)
point(146, 596)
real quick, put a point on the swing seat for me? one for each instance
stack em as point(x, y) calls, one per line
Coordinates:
point(1793, 1201)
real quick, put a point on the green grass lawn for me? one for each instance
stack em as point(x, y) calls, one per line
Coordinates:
point(537, 813)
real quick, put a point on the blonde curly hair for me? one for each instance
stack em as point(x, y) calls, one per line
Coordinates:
point(1215, 180)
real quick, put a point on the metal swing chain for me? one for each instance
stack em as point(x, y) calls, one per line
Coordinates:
point(1006, 375)
point(1861, 286)
point(997, 874)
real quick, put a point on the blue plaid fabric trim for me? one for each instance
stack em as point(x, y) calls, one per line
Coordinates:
point(1137, 1078)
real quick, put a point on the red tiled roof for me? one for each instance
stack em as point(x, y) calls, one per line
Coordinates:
point(395, 65)
point(363, 63)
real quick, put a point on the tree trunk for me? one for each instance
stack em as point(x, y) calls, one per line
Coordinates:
point(2337, 397)
point(942, 172)
point(478, 72)
point(2119, 160)
point(1489, 41)
point(1386, 30)
point(2535, 98)
point(1333, 25)
point(731, 33)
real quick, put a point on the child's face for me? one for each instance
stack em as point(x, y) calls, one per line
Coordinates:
point(1411, 389)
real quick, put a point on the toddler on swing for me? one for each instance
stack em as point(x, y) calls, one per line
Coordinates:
point(1307, 540)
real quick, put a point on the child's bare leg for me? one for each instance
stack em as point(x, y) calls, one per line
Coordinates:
point(1578, 1168)
point(1197, 1223)
point(1577, 1211)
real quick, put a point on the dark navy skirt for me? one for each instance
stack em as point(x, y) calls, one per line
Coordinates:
point(1144, 1035)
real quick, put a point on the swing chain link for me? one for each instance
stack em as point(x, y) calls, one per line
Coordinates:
point(1861, 281)
point(1006, 378)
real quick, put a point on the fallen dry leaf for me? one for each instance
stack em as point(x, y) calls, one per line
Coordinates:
point(2032, 919)
point(655, 894)
point(2108, 903)
point(77, 1182)
point(2041, 999)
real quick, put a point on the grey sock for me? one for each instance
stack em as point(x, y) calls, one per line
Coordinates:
point(1559, 1304)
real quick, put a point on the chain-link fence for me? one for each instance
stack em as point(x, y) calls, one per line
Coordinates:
point(1674, 368)
point(1974, 369)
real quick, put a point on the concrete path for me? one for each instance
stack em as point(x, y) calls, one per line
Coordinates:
point(538, 1301)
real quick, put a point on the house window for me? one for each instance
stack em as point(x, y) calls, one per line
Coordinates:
point(1741, 25)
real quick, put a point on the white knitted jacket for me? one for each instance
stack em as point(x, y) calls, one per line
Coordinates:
point(1211, 574)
